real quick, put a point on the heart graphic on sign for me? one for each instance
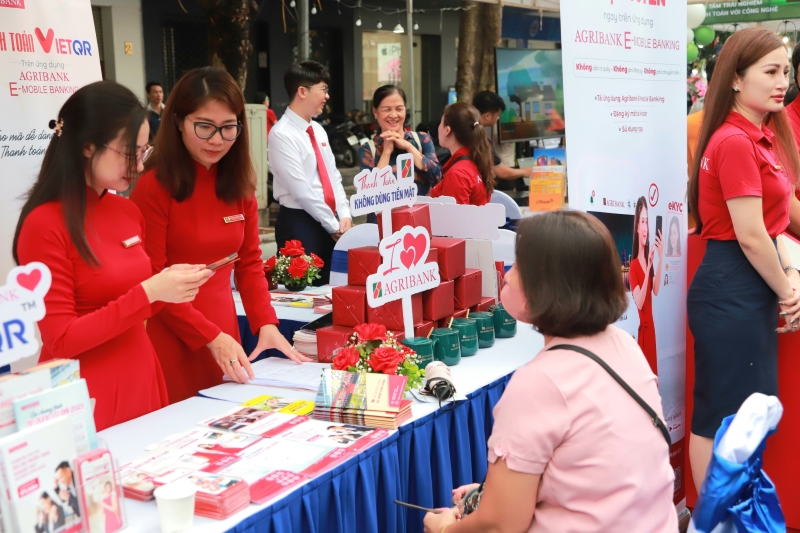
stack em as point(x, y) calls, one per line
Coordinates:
point(418, 244)
point(29, 280)
point(46, 42)
point(407, 257)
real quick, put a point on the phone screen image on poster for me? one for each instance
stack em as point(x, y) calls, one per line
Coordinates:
point(100, 494)
point(659, 229)
point(673, 237)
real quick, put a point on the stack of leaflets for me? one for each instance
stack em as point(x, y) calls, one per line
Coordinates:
point(218, 496)
point(305, 342)
point(374, 400)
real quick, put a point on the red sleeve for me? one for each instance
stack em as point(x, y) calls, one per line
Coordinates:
point(457, 183)
point(44, 238)
point(189, 324)
point(737, 167)
point(249, 272)
point(272, 118)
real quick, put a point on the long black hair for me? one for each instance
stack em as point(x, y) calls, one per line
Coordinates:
point(93, 115)
point(464, 123)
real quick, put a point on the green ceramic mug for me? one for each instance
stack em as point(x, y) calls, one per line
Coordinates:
point(505, 325)
point(467, 335)
point(448, 347)
point(424, 347)
point(485, 323)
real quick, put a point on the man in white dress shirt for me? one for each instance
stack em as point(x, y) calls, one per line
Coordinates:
point(305, 180)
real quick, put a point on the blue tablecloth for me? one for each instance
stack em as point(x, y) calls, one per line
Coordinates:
point(420, 464)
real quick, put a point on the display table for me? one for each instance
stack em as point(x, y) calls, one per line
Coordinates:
point(421, 462)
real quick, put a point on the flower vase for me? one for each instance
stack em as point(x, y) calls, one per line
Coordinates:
point(273, 285)
point(295, 285)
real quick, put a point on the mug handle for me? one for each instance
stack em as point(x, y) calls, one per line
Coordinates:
point(492, 308)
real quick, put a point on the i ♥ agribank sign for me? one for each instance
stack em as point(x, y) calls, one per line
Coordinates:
point(404, 271)
point(48, 50)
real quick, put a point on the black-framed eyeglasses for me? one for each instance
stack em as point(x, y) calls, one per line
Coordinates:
point(324, 88)
point(206, 130)
point(141, 155)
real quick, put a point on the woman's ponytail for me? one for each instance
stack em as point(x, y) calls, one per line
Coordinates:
point(464, 122)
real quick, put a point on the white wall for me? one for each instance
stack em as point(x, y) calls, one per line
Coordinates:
point(122, 22)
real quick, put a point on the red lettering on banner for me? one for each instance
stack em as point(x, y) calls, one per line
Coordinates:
point(12, 89)
point(2, 41)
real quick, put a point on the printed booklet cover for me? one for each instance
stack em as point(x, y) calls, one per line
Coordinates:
point(277, 404)
point(100, 494)
point(13, 387)
point(71, 401)
point(360, 391)
point(39, 480)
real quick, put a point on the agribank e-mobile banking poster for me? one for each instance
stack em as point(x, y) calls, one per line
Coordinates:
point(48, 50)
point(625, 104)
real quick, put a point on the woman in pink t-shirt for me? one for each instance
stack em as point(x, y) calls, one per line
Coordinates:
point(571, 451)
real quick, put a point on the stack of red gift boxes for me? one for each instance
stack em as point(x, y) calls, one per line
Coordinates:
point(459, 289)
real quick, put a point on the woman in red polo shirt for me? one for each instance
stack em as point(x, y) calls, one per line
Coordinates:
point(741, 184)
point(469, 173)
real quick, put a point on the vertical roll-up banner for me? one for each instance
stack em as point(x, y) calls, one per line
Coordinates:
point(48, 50)
point(624, 66)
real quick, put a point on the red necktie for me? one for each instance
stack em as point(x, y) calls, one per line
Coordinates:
point(327, 188)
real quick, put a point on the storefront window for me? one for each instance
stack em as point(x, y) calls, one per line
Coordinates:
point(384, 60)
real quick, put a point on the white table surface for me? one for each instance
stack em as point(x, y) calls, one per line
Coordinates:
point(129, 440)
point(297, 314)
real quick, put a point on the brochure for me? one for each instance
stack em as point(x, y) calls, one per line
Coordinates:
point(100, 495)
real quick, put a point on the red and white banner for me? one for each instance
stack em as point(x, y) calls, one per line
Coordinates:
point(48, 50)
point(624, 67)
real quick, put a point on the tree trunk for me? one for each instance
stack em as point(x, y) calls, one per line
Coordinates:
point(478, 35)
point(229, 35)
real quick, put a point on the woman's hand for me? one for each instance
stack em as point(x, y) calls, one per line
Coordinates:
point(659, 245)
point(435, 522)
point(461, 492)
point(388, 142)
point(790, 307)
point(230, 357)
point(176, 284)
point(270, 337)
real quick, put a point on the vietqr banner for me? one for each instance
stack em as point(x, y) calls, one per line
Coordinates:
point(48, 50)
point(624, 67)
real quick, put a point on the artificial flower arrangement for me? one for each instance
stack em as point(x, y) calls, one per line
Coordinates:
point(373, 349)
point(292, 267)
point(696, 87)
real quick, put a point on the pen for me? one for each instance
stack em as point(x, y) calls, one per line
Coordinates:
point(417, 507)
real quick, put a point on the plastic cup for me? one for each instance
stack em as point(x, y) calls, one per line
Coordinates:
point(176, 506)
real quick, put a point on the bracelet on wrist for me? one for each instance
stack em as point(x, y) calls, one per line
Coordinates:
point(786, 269)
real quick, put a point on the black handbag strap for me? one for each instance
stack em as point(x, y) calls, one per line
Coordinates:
point(653, 416)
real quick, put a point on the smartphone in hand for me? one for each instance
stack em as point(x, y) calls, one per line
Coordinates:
point(223, 262)
point(659, 221)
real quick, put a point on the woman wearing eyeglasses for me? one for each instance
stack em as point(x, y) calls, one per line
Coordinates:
point(198, 199)
point(102, 283)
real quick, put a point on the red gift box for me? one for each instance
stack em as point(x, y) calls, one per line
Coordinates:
point(362, 262)
point(468, 289)
point(423, 328)
point(329, 339)
point(444, 322)
point(415, 216)
point(484, 305)
point(391, 314)
point(433, 255)
point(349, 305)
point(452, 257)
point(437, 303)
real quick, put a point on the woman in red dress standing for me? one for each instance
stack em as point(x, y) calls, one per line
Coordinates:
point(645, 286)
point(91, 241)
point(198, 199)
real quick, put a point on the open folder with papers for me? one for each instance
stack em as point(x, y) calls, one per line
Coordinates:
point(278, 372)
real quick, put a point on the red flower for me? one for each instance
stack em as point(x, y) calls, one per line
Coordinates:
point(298, 267)
point(269, 264)
point(292, 249)
point(371, 332)
point(318, 262)
point(345, 358)
point(385, 360)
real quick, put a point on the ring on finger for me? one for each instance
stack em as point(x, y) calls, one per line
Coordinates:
point(232, 361)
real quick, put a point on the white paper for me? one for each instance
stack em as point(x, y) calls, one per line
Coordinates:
point(278, 372)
